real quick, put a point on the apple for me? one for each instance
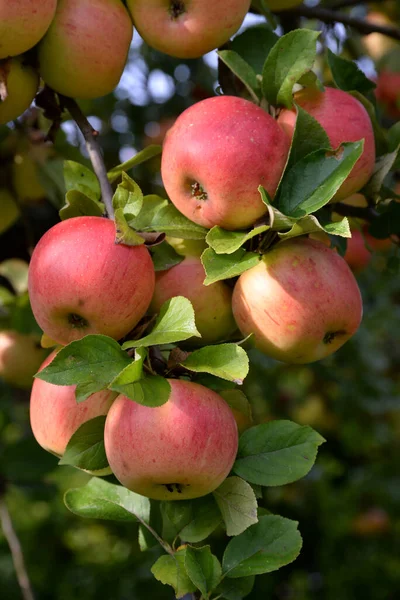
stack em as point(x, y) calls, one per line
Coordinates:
point(212, 304)
point(20, 357)
point(81, 282)
point(22, 83)
point(85, 49)
point(55, 414)
point(183, 449)
point(344, 119)
point(282, 4)
point(301, 302)
point(387, 92)
point(26, 180)
point(9, 211)
point(187, 28)
point(216, 155)
point(23, 23)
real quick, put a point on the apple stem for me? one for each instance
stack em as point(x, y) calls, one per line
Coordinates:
point(16, 551)
point(162, 543)
point(94, 151)
point(327, 15)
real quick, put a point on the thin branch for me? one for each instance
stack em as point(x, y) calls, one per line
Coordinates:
point(367, 213)
point(328, 15)
point(345, 4)
point(162, 543)
point(94, 151)
point(16, 551)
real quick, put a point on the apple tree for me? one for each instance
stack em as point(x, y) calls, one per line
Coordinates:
point(170, 275)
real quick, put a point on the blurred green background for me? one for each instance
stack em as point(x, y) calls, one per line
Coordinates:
point(348, 507)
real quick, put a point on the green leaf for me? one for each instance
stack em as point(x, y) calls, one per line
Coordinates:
point(268, 545)
point(224, 266)
point(139, 158)
point(310, 224)
point(203, 568)
point(308, 136)
point(379, 133)
point(99, 499)
point(228, 361)
point(129, 197)
point(237, 503)
point(124, 234)
point(132, 372)
point(276, 453)
point(85, 449)
point(347, 75)
point(205, 518)
point(227, 242)
point(77, 204)
point(382, 167)
point(171, 570)
point(235, 589)
point(254, 45)
point(164, 257)
point(291, 57)
point(238, 401)
point(81, 179)
point(169, 220)
point(243, 71)
point(90, 363)
point(152, 204)
point(176, 322)
point(153, 390)
point(315, 179)
point(388, 223)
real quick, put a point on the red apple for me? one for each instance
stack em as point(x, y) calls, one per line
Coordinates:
point(344, 119)
point(212, 304)
point(187, 28)
point(20, 357)
point(23, 23)
point(301, 301)
point(388, 92)
point(85, 49)
point(181, 450)
point(81, 282)
point(216, 155)
point(55, 414)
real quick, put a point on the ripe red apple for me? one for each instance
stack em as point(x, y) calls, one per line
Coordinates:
point(22, 84)
point(23, 23)
point(301, 301)
point(81, 282)
point(181, 450)
point(388, 92)
point(20, 357)
point(187, 28)
point(212, 304)
point(55, 414)
point(85, 49)
point(344, 119)
point(357, 254)
point(216, 155)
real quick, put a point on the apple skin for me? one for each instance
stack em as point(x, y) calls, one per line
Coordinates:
point(9, 211)
point(344, 119)
point(85, 49)
point(22, 85)
point(187, 28)
point(301, 301)
point(81, 282)
point(216, 155)
point(183, 449)
point(357, 254)
point(55, 414)
point(212, 304)
point(387, 92)
point(376, 44)
point(23, 23)
point(187, 247)
point(20, 357)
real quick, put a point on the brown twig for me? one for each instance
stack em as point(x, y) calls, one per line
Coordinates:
point(345, 4)
point(327, 15)
point(94, 151)
point(16, 551)
point(367, 213)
